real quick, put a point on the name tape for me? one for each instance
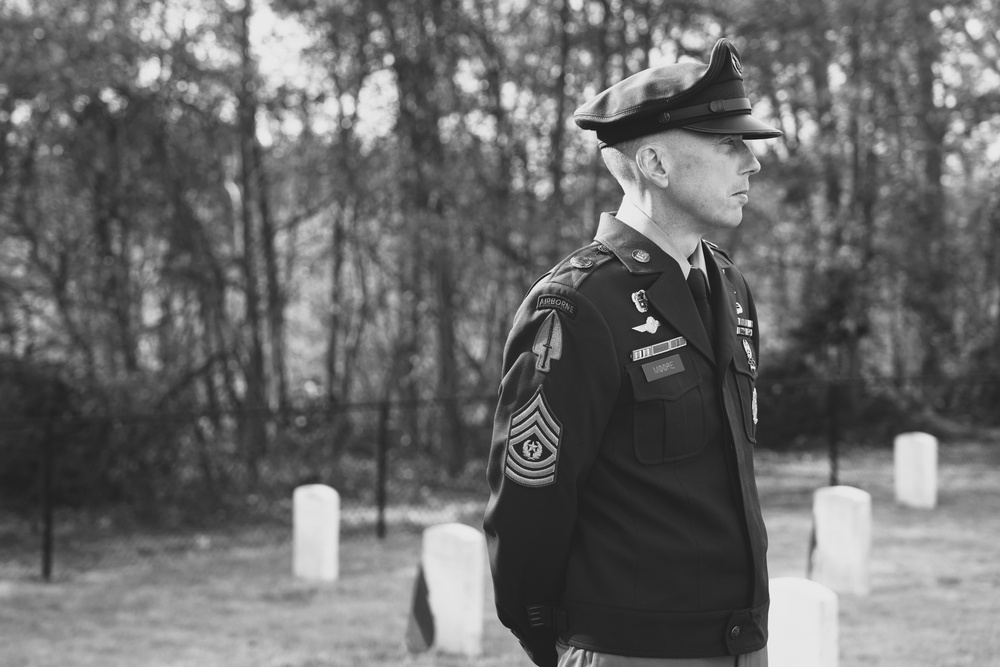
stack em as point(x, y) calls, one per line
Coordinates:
point(661, 368)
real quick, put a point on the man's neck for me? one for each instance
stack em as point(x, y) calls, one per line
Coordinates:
point(680, 247)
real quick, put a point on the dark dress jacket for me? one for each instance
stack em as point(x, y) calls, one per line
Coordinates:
point(623, 516)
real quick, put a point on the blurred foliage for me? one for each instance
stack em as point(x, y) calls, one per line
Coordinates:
point(228, 207)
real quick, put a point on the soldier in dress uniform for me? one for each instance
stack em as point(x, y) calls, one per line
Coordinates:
point(623, 525)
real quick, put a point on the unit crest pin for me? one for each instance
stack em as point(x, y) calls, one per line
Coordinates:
point(640, 301)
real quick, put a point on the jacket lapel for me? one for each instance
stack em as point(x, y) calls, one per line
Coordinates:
point(671, 297)
point(669, 294)
point(723, 306)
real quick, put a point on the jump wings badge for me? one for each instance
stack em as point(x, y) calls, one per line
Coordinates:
point(533, 444)
point(548, 342)
point(650, 326)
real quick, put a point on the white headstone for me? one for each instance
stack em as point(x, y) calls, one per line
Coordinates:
point(843, 519)
point(454, 562)
point(916, 458)
point(316, 532)
point(802, 624)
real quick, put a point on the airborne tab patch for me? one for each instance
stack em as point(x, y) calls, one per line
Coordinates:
point(533, 444)
point(556, 302)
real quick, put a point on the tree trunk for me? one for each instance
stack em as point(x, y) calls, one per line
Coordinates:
point(252, 421)
point(558, 133)
point(931, 271)
point(275, 302)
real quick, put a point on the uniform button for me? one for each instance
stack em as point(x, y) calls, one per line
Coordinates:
point(581, 262)
point(735, 632)
point(603, 249)
point(640, 256)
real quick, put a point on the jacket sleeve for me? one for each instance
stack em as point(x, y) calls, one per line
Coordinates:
point(560, 383)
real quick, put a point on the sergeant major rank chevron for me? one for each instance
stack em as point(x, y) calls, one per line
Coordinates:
point(533, 443)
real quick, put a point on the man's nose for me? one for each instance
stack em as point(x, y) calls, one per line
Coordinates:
point(751, 166)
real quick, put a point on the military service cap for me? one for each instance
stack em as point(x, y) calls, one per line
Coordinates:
point(694, 96)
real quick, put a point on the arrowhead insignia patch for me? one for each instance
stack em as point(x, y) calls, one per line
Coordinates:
point(533, 443)
point(548, 342)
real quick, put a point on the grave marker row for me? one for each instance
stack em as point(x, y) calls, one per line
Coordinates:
point(803, 618)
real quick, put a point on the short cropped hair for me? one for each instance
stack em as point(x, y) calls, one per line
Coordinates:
point(620, 160)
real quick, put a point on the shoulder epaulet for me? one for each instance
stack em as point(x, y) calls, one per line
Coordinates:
point(579, 264)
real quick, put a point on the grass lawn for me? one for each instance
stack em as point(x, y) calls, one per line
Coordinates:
point(935, 597)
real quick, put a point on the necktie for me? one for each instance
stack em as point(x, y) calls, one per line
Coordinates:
point(698, 284)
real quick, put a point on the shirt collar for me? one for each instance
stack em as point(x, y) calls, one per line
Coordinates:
point(636, 218)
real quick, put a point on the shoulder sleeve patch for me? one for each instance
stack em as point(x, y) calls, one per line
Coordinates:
point(548, 342)
point(533, 444)
point(556, 302)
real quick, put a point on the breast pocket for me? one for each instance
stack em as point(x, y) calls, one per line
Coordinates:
point(668, 416)
point(746, 382)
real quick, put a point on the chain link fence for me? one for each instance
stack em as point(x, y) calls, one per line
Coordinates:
point(80, 493)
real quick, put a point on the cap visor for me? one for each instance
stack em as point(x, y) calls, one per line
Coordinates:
point(743, 124)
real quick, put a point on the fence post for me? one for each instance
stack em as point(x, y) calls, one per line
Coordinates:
point(381, 463)
point(833, 429)
point(48, 477)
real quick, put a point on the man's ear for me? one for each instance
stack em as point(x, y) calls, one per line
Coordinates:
point(654, 164)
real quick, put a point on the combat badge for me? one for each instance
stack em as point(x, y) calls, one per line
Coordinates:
point(640, 301)
point(651, 325)
point(533, 444)
point(750, 359)
point(548, 342)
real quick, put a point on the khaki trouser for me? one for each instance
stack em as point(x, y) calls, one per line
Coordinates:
point(570, 656)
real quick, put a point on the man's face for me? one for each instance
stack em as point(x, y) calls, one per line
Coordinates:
point(709, 178)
